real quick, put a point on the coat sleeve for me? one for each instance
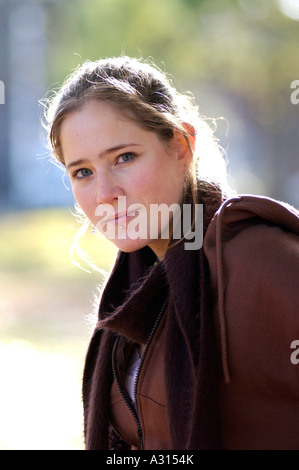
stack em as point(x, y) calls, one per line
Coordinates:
point(256, 311)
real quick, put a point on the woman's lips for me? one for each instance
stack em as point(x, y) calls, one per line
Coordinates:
point(122, 218)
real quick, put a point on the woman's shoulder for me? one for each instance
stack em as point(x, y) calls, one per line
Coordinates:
point(244, 215)
point(252, 238)
point(252, 248)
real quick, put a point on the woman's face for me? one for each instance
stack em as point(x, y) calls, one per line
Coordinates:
point(120, 172)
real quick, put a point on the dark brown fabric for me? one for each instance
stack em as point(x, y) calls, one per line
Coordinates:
point(150, 396)
point(255, 286)
point(229, 376)
point(122, 419)
point(128, 307)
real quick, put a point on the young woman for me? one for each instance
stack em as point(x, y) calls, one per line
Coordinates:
point(197, 340)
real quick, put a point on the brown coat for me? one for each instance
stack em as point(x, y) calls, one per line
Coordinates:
point(232, 316)
point(255, 286)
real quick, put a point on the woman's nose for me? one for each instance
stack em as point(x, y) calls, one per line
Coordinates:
point(107, 189)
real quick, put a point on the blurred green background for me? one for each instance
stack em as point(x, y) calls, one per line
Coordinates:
point(238, 57)
point(47, 314)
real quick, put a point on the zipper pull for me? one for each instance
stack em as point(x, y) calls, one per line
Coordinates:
point(139, 434)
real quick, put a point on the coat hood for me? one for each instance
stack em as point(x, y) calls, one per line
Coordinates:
point(233, 217)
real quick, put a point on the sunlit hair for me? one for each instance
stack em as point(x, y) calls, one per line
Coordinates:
point(148, 96)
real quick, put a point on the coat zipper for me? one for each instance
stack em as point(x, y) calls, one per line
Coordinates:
point(126, 398)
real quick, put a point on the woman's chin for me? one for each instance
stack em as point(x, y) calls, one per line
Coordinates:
point(128, 245)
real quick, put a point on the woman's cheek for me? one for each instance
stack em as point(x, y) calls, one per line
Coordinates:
point(85, 199)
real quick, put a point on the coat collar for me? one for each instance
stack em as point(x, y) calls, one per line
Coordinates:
point(130, 309)
point(138, 286)
point(133, 310)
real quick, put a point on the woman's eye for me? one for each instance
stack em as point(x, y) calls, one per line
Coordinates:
point(126, 157)
point(82, 173)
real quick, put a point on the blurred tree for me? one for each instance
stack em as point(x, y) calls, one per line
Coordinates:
point(220, 39)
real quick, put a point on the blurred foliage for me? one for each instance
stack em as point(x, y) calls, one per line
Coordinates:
point(46, 306)
point(39, 241)
point(42, 294)
point(237, 57)
point(247, 46)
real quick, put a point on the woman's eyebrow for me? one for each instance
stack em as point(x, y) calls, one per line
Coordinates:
point(75, 163)
point(110, 150)
point(117, 147)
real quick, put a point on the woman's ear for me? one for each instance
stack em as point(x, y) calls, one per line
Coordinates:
point(191, 134)
point(181, 142)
